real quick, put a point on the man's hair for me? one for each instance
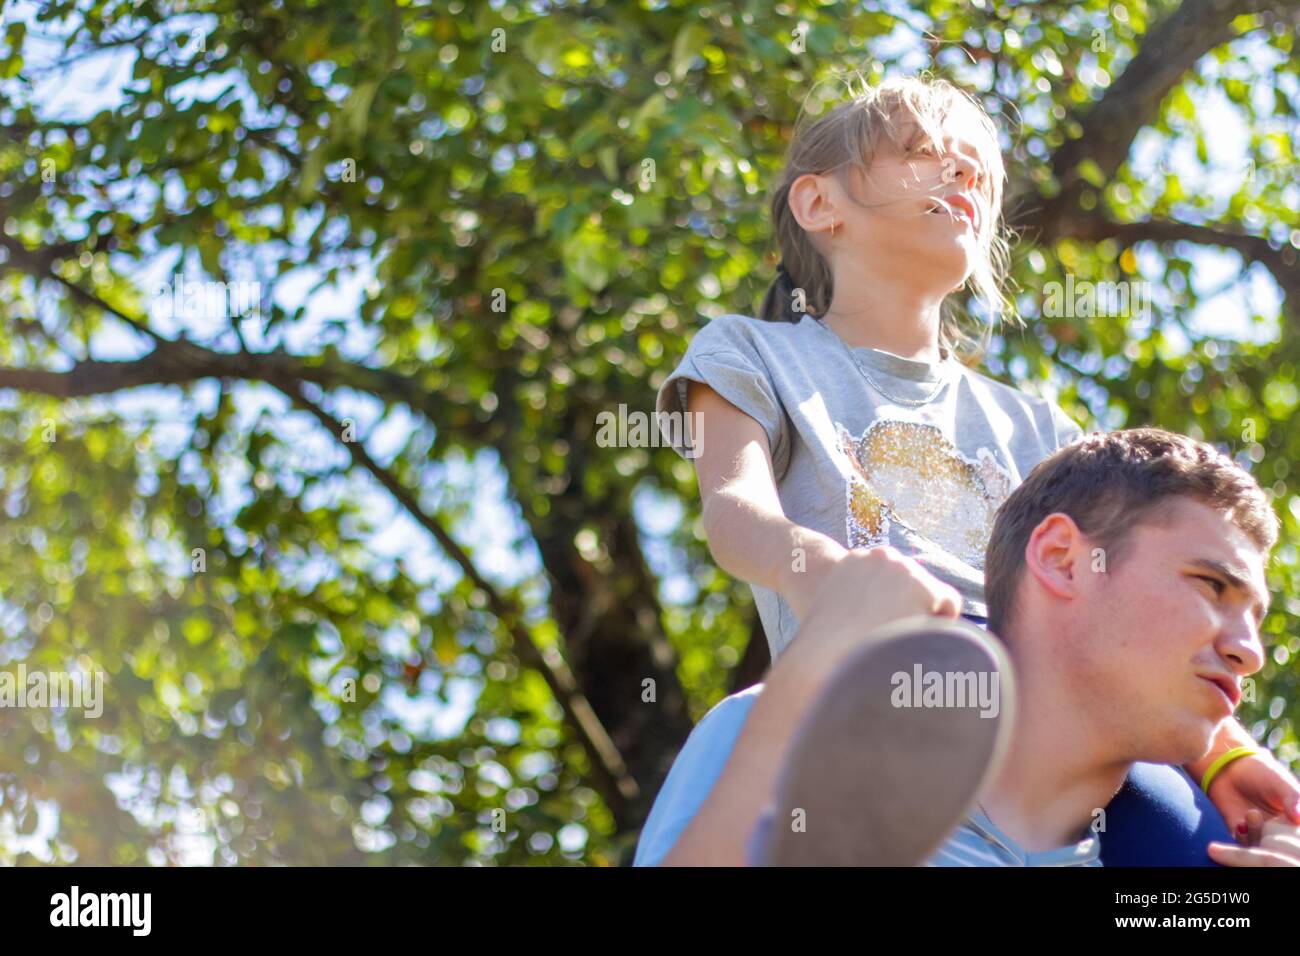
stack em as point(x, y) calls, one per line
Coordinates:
point(1110, 483)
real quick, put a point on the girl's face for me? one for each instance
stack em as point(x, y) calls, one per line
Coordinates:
point(919, 212)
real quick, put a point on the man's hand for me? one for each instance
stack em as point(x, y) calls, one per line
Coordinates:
point(1278, 845)
point(1257, 782)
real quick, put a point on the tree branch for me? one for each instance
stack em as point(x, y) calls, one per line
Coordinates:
point(39, 265)
point(1282, 262)
point(176, 362)
point(618, 786)
point(1164, 55)
point(98, 378)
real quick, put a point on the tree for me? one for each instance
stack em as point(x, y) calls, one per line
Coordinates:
point(543, 208)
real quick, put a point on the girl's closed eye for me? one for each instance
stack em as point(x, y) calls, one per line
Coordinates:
point(924, 148)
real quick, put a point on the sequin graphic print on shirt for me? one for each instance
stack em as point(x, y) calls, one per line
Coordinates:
point(910, 474)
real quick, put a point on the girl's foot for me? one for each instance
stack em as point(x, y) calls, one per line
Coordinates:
point(896, 749)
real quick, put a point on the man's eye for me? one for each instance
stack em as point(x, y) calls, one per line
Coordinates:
point(1215, 583)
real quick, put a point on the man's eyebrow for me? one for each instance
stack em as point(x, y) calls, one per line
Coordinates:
point(1238, 578)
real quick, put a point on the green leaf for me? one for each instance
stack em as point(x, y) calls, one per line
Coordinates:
point(310, 177)
point(356, 109)
point(607, 156)
point(587, 256)
point(688, 44)
point(1091, 173)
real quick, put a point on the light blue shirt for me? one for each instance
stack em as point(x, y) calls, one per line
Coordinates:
point(693, 774)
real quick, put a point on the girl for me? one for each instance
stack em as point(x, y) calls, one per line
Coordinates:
point(849, 415)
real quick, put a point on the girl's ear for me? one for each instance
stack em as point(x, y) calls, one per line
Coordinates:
point(811, 203)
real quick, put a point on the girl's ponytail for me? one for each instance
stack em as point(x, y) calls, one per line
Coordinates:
point(778, 302)
point(803, 283)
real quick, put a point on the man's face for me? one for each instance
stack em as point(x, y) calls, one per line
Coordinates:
point(1171, 631)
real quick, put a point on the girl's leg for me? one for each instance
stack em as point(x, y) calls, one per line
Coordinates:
point(874, 776)
point(1160, 818)
point(921, 771)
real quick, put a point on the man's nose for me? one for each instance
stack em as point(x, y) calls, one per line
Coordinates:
point(1240, 645)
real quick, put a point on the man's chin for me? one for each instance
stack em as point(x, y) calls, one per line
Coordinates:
point(1197, 740)
point(1185, 743)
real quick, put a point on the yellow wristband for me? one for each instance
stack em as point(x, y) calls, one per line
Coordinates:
point(1218, 765)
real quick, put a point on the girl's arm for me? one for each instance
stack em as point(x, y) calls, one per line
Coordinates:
point(748, 533)
point(1260, 782)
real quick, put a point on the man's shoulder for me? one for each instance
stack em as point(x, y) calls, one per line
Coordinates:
point(732, 708)
point(693, 774)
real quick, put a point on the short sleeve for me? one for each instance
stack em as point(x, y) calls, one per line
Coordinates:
point(723, 358)
point(1067, 431)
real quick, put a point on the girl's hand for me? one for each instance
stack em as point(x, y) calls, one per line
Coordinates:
point(1258, 782)
point(870, 587)
point(867, 589)
point(1277, 844)
point(801, 582)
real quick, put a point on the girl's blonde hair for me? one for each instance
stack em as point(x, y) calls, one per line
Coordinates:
point(851, 135)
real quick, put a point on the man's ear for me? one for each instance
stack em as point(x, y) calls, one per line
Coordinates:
point(809, 200)
point(1054, 555)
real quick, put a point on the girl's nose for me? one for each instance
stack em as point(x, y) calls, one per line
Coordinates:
point(963, 169)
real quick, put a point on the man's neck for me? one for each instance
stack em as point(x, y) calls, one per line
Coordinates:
point(1053, 782)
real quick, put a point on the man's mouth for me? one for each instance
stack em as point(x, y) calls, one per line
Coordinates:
point(1227, 686)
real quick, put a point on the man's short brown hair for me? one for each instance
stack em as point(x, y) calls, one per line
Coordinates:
point(1108, 484)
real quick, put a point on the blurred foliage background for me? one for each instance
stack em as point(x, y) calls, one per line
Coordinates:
point(364, 587)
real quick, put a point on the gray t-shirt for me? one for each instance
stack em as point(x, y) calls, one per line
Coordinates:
point(854, 461)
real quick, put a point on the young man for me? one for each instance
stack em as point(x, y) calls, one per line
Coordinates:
point(1125, 576)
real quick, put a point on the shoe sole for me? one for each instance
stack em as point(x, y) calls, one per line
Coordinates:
point(884, 785)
